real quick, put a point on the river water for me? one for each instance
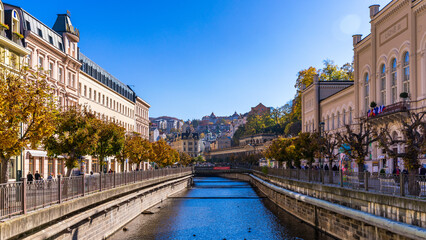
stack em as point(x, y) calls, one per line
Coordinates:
point(217, 208)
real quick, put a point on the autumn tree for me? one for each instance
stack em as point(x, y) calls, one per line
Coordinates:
point(413, 129)
point(308, 146)
point(75, 136)
point(27, 114)
point(164, 156)
point(283, 150)
point(139, 149)
point(357, 138)
point(184, 159)
point(109, 142)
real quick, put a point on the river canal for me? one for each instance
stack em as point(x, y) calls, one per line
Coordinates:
point(217, 208)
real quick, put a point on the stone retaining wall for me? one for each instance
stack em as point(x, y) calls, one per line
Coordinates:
point(334, 219)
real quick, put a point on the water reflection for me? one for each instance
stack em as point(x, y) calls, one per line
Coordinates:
point(217, 208)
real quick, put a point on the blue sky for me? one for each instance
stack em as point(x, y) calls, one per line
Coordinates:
point(191, 58)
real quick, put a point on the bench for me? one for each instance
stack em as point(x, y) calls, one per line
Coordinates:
point(388, 183)
point(354, 181)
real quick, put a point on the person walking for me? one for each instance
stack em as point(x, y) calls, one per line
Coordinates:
point(37, 176)
point(30, 177)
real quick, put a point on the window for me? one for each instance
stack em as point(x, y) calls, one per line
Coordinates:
point(15, 22)
point(69, 79)
point(332, 121)
point(99, 97)
point(94, 95)
point(40, 33)
point(406, 66)
point(60, 46)
point(328, 123)
point(79, 88)
point(60, 77)
point(107, 102)
point(40, 62)
point(85, 91)
point(73, 80)
point(28, 25)
point(90, 93)
point(50, 39)
point(103, 99)
point(394, 95)
point(344, 117)
point(338, 119)
point(350, 116)
point(383, 84)
point(51, 69)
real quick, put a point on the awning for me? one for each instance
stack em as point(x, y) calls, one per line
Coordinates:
point(37, 153)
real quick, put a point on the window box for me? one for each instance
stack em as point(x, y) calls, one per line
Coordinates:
point(4, 26)
point(18, 35)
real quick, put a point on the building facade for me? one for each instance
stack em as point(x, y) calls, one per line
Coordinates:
point(142, 117)
point(389, 61)
point(76, 80)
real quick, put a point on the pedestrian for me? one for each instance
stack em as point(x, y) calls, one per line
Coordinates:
point(335, 168)
point(50, 177)
point(326, 167)
point(30, 177)
point(91, 172)
point(37, 176)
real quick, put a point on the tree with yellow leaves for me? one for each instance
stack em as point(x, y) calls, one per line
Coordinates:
point(185, 159)
point(164, 154)
point(75, 136)
point(139, 149)
point(27, 114)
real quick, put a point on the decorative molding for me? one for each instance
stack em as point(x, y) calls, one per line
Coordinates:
point(398, 27)
point(395, 8)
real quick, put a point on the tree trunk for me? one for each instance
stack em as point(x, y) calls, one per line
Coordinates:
point(413, 185)
point(4, 175)
point(361, 172)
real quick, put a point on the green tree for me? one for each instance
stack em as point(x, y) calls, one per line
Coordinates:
point(110, 140)
point(75, 136)
point(27, 114)
point(308, 146)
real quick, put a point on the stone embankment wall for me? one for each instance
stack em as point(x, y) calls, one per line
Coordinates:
point(95, 216)
point(336, 217)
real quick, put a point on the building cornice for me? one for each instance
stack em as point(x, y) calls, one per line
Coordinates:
point(143, 102)
point(419, 7)
point(389, 10)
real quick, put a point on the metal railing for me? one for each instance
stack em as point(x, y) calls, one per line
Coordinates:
point(390, 184)
point(19, 197)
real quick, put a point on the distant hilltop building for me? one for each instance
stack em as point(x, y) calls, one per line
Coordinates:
point(260, 109)
point(167, 124)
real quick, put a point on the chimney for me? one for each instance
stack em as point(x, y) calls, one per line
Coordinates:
point(356, 38)
point(316, 79)
point(374, 9)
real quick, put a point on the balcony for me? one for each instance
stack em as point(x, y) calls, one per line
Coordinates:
point(388, 113)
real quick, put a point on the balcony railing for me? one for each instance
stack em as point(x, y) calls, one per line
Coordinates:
point(389, 109)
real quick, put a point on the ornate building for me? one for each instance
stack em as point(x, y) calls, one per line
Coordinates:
point(389, 61)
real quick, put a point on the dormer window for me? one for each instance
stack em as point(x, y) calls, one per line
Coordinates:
point(15, 22)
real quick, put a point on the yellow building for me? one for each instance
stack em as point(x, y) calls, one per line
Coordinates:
point(387, 62)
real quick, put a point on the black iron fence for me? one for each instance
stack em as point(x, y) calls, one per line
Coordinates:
point(391, 184)
point(19, 197)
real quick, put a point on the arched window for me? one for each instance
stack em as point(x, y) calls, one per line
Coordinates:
point(383, 84)
point(344, 117)
point(328, 123)
point(15, 21)
point(406, 80)
point(338, 119)
point(332, 121)
point(350, 115)
point(366, 91)
point(394, 95)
